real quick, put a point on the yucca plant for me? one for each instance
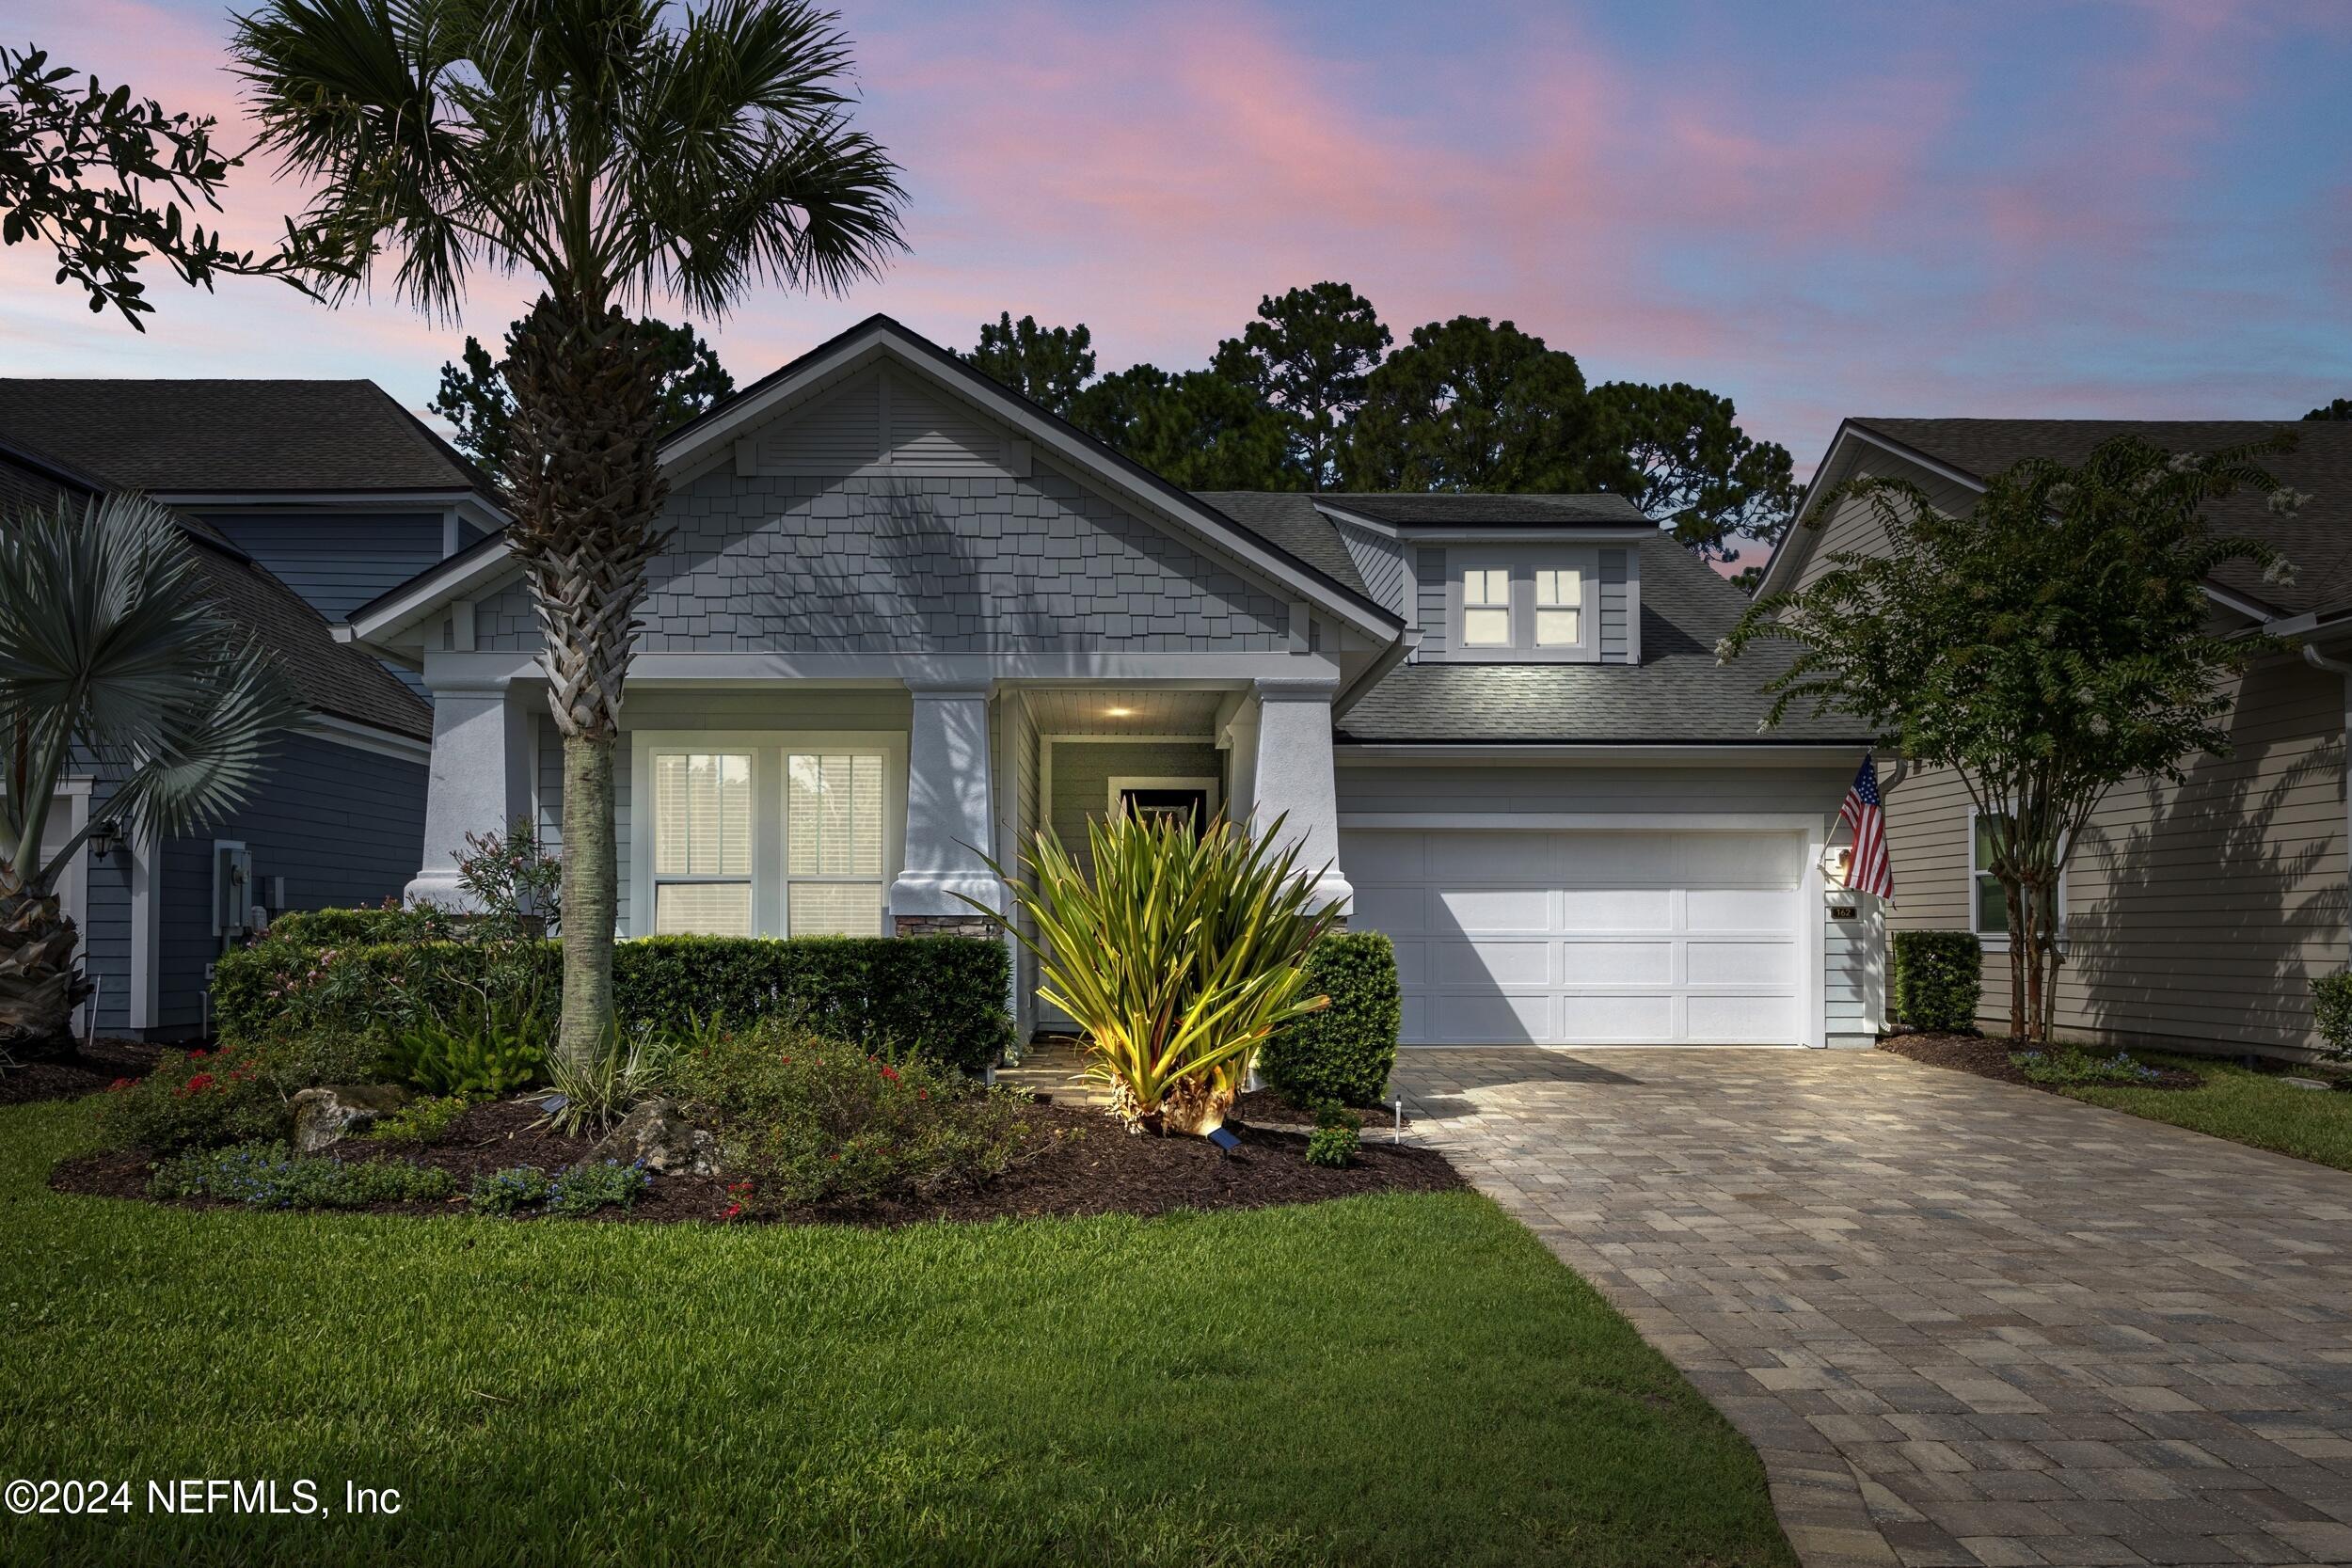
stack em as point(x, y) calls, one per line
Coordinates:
point(1178, 957)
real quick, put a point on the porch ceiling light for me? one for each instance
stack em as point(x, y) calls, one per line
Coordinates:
point(1118, 713)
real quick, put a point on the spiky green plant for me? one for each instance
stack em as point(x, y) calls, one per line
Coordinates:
point(113, 655)
point(1179, 955)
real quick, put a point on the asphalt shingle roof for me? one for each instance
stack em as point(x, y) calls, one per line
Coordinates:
point(1289, 522)
point(1437, 509)
point(1677, 693)
point(2317, 540)
point(233, 436)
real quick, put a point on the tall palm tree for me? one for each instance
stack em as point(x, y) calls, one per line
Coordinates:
point(618, 156)
point(110, 652)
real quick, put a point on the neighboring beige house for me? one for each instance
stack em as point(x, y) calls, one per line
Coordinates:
point(2195, 915)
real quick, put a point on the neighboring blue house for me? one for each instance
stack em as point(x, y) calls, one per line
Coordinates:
point(303, 499)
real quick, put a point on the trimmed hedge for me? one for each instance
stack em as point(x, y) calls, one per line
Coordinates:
point(361, 927)
point(2331, 1012)
point(1938, 977)
point(941, 998)
point(1345, 1052)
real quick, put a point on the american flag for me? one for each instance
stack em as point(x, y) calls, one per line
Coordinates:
point(1869, 869)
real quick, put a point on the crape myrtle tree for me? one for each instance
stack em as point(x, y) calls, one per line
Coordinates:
point(2045, 647)
point(614, 151)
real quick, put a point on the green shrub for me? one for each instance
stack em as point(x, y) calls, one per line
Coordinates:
point(489, 1046)
point(807, 1119)
point(419, 1121)
point(2072, 1065)
point(2331, 1011)
point(360, 928)
point(943, 998)
point(238, 1094)
point(502, 1192)
point(584, 1189)
point(1333, 1145)
point(577, 1190)
point(1938, 976)
point(266, 1176)
point(1343, 1053)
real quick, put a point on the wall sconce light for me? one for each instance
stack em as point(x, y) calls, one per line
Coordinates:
point(105, 836)
point(1835, 862)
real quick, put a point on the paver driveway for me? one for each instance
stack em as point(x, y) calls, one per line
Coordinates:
point(1964, 1322)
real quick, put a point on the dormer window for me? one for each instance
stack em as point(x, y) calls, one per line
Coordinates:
point(1487, 608)
point(1525, 605)
point(1559, 607)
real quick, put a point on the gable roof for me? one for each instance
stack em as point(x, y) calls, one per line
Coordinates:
point(2317, 540)
point(244, 438)
point(1289, 521)
point(1320, 576)
point(331, 678)
point(1676, 695)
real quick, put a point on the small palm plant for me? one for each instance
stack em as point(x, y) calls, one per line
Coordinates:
point(1178, 957)
point(112, 658)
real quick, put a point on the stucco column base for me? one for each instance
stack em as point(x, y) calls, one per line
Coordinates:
point(949, 810)
point(1293, 780)
point(475, 733)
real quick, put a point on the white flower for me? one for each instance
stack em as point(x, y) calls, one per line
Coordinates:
point(2280, 571)
point(2182, 463)
point(2062, 493)
point(2287, 500)
point(2147, 482)
point(1722, 650)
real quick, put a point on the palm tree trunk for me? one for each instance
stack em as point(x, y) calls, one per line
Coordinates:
point(586, 475)
point(38, 982)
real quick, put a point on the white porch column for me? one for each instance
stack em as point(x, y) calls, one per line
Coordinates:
point(475, 743)
point(1294, 777)
point(950, 820)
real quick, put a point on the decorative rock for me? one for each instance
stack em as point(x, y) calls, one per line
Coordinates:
point(325, 1116)
point(656, 1133)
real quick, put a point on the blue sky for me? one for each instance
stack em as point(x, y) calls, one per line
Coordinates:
point(2106, 207)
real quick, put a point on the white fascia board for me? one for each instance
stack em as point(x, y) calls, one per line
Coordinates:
point(701, 443)
point(363, 738)
point(464, 579)
point(1173, 670)
point(468, 503)
point(1490, 533)
point(1783, 754)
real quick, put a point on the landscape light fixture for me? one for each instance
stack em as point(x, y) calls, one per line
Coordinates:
point(1224, 1139)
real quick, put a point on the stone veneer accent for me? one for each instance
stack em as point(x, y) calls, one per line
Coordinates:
point(947, 925)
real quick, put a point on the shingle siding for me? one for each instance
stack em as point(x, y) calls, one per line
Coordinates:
point(1614, 601)
point(934, 565)
point(342, 826)
point(1380, 562)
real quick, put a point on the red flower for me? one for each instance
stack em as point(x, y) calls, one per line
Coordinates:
point(196, 1055)
point(888, 1072)
point(733, 1210)
point(122, 1084)
point(922, 1094)
point(196, 1085)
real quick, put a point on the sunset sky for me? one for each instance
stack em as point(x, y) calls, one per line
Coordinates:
point(2088, 208)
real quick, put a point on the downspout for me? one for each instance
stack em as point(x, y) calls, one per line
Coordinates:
point(2318, 661)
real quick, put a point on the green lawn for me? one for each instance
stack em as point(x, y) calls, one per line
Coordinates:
point(1383, 1380)
point(2243, 1107)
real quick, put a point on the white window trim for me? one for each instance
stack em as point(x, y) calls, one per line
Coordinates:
point(1998, 942)
point(1121, 782)
point(768, 748)
point(1522, 564)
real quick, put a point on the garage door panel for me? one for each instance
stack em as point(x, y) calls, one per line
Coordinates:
point(1500, 963)
point(1616, 910)
point(1472, 1018)
point(1588, 937)
point(1506, 860)
point(1398, 911)
point(1616, 963)
point(1738, 909)
point(1737, 963)
point(1491, 909)
point(1755, 1018)
point(1594, 1018)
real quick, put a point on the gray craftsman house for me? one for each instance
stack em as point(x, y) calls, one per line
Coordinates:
point(298, 499)
point(903, 616)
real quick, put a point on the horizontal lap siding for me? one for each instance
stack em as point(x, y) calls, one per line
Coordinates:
point(1083, 772)
point(341, 825)
point(2198, 911)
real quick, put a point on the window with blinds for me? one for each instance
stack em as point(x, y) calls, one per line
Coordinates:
point(832, 844)
point(702, 843)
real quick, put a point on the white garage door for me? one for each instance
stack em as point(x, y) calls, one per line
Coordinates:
point(1588, 938)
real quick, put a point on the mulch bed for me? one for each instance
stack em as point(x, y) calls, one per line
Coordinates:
point(1989, 1058)
point(1084, 1163)
point(76, 1072)
point(1271, 1108)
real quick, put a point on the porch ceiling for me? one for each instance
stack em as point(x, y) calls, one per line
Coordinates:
point(1116, 710)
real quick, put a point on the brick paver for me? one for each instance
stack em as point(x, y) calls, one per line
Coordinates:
point(1964, 1322)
